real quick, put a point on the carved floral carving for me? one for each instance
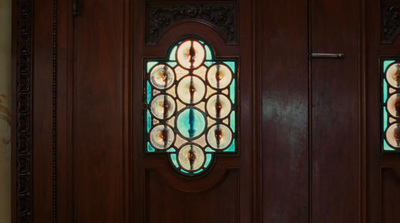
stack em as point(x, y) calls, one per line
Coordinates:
point(23, 111)
point(390, 23)
point(220, 15)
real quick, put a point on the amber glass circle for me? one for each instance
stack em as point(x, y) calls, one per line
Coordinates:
point(190, 54)
point(219, 76)
point(191, 157)
point(393, 75)
point(162, 106)
point(162, 137)
point(393, 135)
point(393, 105)
point(218, 106)
point(191, 90)
point(162, 76)
point(219, 136)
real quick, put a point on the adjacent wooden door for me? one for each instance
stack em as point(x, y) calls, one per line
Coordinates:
point(302, 146)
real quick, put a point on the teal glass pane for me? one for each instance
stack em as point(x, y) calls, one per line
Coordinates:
point(208, 160)
point(148, 121)
point(209, 63)
point(231, 64)
point(232, 91)
point(172, 150)
point(208, 52)
point(208, 149)
point(184, 171)
point(386, 64)
point(172, 64)
point(150, 148)
point(385, 91)
point(172, 55)
point(191, 123)
point(148, 92)
point(232, 121)
point(385, 119)
point(386, 146)
point(174, 160)
point(150, 65)
point(231, 148)
point(199, 171)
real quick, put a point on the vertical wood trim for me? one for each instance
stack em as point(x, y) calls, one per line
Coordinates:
point(257, 116)
point(363, 117)
point(54, 114)
point(22, 111)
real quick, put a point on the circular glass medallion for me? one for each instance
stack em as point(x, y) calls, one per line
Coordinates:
point(162, 106)
point(219, 136)
point(393, 75)
point(191, 123)
point(162, 76)
point(218, 106)
point(191, 157)
point(393, 135)
point(190, 54)
point(393, 105)
point(219, 76)
point(162, 137)
point(191, 90)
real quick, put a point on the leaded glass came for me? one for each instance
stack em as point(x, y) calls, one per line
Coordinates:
point(190, 106)
point(390, 105)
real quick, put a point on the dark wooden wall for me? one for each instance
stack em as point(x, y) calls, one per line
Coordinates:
point(310, 127)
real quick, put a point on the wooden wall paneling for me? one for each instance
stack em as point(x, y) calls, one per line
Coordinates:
point(97, 113)
point(283, 66)
point(42, 111)
point(336, 100)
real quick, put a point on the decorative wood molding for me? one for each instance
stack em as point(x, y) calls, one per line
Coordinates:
point(220, 15)
point(23, 113)
point(390, 14)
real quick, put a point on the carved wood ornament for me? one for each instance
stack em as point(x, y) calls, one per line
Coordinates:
point(220, 16)
point(390, 22)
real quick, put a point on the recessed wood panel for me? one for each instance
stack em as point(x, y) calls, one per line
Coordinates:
point(219, 203)
point(335, 132)
point(390, 196)
point(97, 113)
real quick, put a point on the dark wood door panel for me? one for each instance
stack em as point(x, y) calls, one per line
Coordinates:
point(336, 92)
point(97, 113)
point(283, 68)
point(161, 194)
point(219, 203)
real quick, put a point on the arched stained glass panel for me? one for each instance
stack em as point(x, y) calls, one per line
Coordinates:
point(190, 106)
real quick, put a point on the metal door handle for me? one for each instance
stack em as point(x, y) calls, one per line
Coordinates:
point(328, 55)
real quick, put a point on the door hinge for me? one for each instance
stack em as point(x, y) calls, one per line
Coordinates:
point(75, 10)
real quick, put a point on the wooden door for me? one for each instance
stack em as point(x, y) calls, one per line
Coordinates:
point(80, 146)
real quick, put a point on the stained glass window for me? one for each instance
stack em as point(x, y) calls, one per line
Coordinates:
point(190, 106)
point(390, 105)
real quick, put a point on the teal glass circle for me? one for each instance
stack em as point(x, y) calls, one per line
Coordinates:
point(191, 123)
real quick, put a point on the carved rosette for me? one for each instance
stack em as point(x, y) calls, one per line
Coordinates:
point(23, 111)
point(220, 16)
point(390, 22)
